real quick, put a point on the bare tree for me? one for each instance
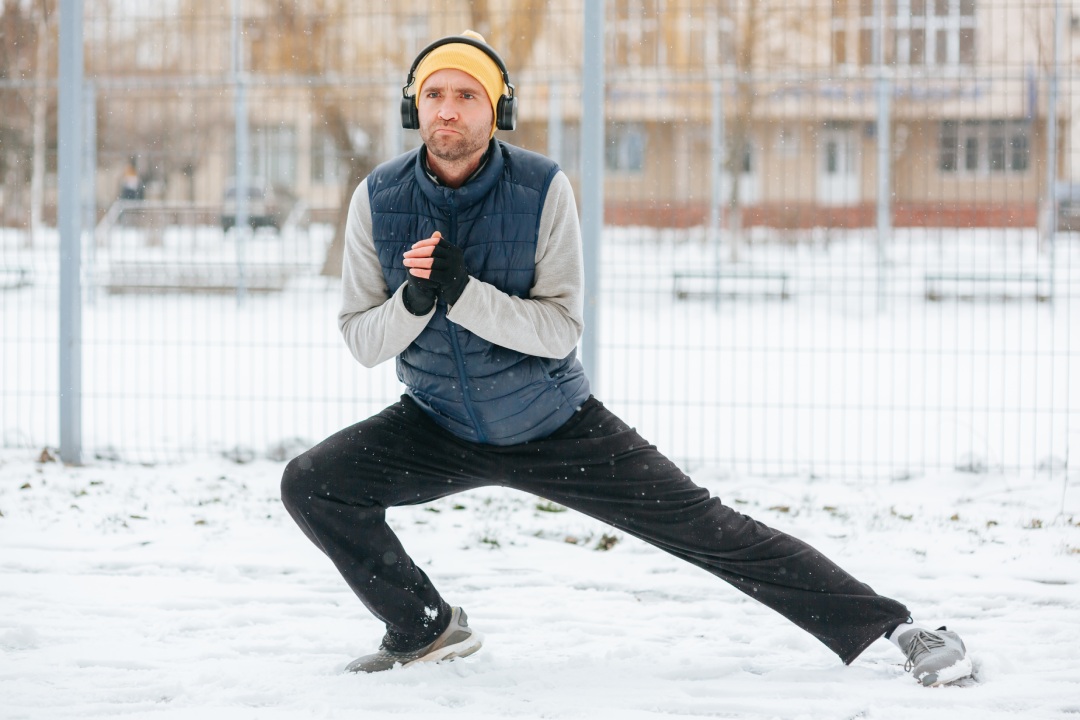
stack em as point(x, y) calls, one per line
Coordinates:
point(767, 35)
point(45, 17)
point(514, 35)
point(301, 41)
point(26, 31)
point(16, 32)
point(359, 162)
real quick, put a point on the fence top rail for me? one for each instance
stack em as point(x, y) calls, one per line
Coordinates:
point(824, 78)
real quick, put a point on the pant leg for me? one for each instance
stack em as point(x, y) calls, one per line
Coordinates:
point(598, 465)
point(338, 493)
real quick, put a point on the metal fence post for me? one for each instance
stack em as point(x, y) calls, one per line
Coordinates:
point(242, 170)
point(1050, 204)
point(592, 178)
point(70, 222)
point(555, 123)
point(884, 154)
point(89, 190)
point(717, 153)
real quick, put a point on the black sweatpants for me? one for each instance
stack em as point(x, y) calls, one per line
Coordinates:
point(338, 493)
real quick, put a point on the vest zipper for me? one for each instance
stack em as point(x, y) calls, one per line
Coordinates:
point(455, 344)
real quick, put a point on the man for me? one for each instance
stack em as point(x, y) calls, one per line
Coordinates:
point(463, 260)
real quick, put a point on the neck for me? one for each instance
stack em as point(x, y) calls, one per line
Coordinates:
point(454, 173)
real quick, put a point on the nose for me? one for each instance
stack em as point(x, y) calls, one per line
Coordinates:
point(447, 109)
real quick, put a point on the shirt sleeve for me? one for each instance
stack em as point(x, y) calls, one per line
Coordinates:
point(375, 324)
point(549, 322)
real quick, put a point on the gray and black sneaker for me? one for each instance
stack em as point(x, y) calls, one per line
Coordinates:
point(457, 641)
point(935, 658)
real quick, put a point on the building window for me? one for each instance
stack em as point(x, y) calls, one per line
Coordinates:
point(746, 162)
point(787, 141)
point(839, 32)
point(971, 153)
point(414, 33)
point(273, 154)
point(909, 33)
point(634, 38)
point(156, 46)
point(985, 146)
point(868, 31)
point(1019, 148)
point(725, 34)
point(326, 161)
point(950, 32)
point(702, 37)
point(918, 33)
point(569, 157)
point(625, 148)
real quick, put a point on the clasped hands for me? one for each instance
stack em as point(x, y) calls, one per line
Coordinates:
point(435, 268)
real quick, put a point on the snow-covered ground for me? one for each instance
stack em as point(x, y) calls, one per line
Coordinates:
point(164, 578)
point(185, 591)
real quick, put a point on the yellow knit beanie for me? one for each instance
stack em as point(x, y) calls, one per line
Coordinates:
point(468, 59)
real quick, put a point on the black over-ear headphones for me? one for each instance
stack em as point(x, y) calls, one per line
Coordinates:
point(505, 109)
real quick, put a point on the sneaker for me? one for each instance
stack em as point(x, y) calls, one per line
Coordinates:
point(457, 641)
point(935, 658)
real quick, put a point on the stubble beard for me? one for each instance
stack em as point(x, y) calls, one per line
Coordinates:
point(454, 149)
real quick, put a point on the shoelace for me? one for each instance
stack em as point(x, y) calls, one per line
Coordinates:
point(924, 642)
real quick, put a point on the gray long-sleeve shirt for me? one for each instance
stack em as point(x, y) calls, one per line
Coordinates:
point(377, 326)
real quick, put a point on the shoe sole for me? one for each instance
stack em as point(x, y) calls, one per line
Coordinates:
point(957, 671)
point(462, 649)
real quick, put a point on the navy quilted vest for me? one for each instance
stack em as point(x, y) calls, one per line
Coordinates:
point(479, 391)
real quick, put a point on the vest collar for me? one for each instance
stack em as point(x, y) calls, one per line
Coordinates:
point(473, 190)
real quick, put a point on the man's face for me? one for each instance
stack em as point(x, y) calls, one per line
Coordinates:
point(455, 115)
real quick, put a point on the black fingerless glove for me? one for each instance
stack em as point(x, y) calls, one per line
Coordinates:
point(419, 295)
point(448, 270)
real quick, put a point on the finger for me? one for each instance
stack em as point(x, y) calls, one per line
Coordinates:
point(422, 262)
point(434, 240)
point(419, 252)
point(417, 272)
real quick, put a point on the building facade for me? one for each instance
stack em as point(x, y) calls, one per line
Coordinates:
point(717, 111)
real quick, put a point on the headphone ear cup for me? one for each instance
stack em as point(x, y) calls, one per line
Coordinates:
point(506, 113)
point(410, 115)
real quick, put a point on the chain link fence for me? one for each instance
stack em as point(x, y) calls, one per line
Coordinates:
point(840, 236)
